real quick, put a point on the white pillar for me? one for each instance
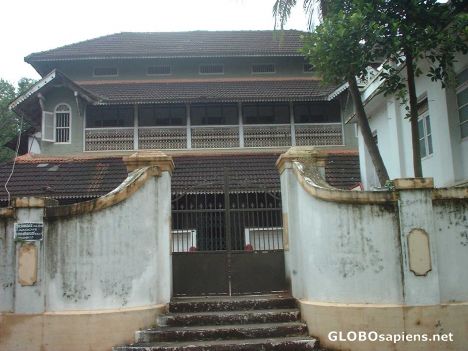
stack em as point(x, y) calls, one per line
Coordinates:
point(189, 124)
point(293, 127)
point(416, 219)
point(135, 128)
point(241, 126)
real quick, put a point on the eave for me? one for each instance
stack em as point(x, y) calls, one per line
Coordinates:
point(29, 104)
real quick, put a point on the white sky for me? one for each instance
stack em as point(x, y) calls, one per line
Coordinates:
point(28, 26)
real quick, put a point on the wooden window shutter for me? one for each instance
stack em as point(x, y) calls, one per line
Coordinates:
point(48, 126)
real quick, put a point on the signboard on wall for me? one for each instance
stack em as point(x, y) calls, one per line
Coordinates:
point(29, 231)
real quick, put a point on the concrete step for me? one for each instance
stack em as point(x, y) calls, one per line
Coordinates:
point(228, 317)
point(279, 344)
point(229, 304)
point(221, 332)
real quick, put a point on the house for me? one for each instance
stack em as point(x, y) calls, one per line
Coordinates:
point(224, 105)
point(443, 130)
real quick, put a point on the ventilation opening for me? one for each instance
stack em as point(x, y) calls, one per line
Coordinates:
point(263, 68)
point(212, 69)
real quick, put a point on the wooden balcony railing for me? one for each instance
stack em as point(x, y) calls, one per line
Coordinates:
point(207, 137)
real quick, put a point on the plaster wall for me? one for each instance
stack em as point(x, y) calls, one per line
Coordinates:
point(386, 124)
point(103, 268)
point(74, 331)
point(183, 68)
point(451, 232)
point(336, 249)
point(355, 265)
point(7, 265)
point(388, 320)
point(54, 98)
point(448, 164)
point(111, 258)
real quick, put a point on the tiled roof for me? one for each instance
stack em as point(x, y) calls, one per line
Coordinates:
point(250, 173)
point(78, 179)
point(342, 170)
point(62, 178)
point(178, 44)
point(187, 91)
point(246, 173)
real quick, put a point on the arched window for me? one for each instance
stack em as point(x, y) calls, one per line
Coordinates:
point(62, 123)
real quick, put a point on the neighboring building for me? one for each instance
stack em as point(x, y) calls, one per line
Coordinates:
point(224, 105)
point(443, 130)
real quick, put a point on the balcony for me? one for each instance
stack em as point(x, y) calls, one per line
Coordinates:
point(214, 136)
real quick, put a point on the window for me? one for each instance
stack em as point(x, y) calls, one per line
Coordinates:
point(161, 115)
point(109, 116)
point(62, 123)
point(263, 68)
point(313, 112)
point(424, 126)
point(56, 126)
point(162, 70)
point(266, 113)
point(214, 114)
point(212, 69)
point(462, 102)
point(106, 71)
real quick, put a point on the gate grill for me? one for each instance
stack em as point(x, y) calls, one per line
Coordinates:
point(227, 242)
point(199, 222)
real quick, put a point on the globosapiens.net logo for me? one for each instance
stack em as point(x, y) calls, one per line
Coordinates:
point(373, 336)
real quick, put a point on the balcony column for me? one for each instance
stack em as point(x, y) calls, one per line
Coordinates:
point(293, 127)
point(135, 127)
point(189, 127)
point(241, 125)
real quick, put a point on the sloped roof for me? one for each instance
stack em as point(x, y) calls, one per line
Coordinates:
point(342, 170)
point(178, 44)
point(292, 89)
point(246, 173)
point(62, 178)
point(74, 179)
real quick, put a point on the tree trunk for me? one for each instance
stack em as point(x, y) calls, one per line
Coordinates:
point(366, 132)
point(413, 104)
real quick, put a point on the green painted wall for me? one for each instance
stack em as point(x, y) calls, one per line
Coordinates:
point(183, 68)
point(54, 98)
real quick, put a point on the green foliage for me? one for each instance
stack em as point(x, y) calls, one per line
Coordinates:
point(401, 33)
point(344, 44)
point(282, 10)
point(10, 123)
point(431, 32)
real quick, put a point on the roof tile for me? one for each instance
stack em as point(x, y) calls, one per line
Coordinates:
point(76, 179)
point(178, 44)
point(232, 91)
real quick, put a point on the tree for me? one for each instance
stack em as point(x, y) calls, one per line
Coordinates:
point(10, 123)
point(416, 32)
point(341, 48)
point(409, 32)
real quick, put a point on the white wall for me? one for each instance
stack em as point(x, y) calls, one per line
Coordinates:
point(451, 228)
point(339, 252)
point(100, 259)
point(7, 265)
point(352, 247)
point(448, 164)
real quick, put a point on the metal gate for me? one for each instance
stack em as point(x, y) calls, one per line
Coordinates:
point(227, 243)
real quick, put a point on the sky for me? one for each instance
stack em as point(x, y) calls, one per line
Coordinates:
point(28, 26)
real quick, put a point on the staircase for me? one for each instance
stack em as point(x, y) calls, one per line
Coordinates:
point(260, 323)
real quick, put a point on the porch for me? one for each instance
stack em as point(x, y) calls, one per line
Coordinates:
point(204, 126)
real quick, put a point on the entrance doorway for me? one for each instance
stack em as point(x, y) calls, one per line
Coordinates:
point(227, 243)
